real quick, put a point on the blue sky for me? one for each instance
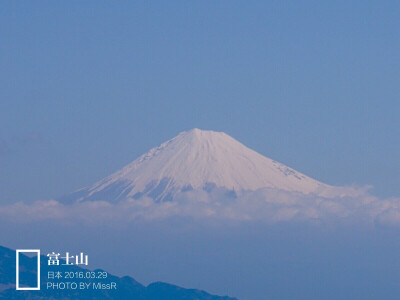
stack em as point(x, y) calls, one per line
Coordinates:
point(87, 87)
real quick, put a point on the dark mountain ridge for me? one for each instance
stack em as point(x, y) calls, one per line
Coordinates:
point(126, 287)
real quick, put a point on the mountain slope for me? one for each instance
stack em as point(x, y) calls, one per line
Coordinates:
point(198, 159)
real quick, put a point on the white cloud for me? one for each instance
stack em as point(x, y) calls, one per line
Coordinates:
point(267, 205)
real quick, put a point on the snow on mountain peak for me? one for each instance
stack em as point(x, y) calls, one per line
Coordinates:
point(198, 159)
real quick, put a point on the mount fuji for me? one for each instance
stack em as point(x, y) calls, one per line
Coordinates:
point(201, 160)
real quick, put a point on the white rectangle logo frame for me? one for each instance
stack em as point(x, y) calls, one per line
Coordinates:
point(18, 251)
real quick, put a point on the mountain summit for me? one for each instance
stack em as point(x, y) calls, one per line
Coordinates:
point(198, 159)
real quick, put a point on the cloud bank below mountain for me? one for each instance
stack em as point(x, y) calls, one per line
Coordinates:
point(265, 205)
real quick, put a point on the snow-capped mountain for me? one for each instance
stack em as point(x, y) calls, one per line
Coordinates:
point(200, 159)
